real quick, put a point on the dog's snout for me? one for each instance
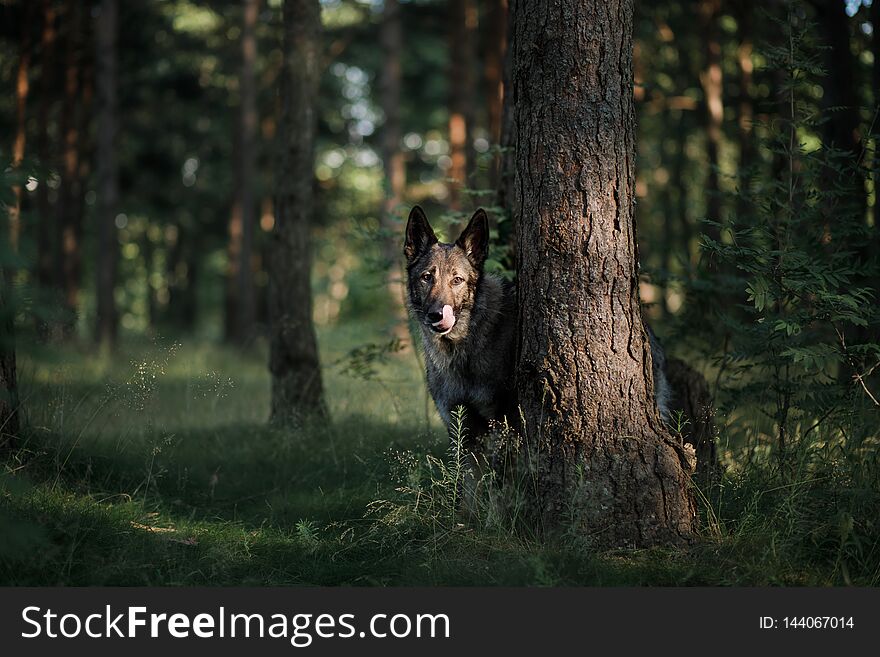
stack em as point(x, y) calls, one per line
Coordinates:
point(434, 316)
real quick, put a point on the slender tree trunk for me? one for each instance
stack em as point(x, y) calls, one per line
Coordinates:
point(108, 175)
point(246, 305)
point(297, 389)
point(875, 84)
point(711, 81)
point(505, 192)
point(745, 108)
point(493, 75)
point(584, 363)
point(22, 87)
point(391, 38)
point(69, 225)
point(47, 78)
point(462, 44)
point(9, 402)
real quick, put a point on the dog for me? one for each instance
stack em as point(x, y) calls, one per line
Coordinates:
point(467, 319)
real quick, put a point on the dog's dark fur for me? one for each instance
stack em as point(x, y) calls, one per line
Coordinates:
point(471, 364)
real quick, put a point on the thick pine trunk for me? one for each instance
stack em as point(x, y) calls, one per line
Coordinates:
point(107, 174)
point(297, 389)
point(391, 38)
point(584, 377)
point(462, 44)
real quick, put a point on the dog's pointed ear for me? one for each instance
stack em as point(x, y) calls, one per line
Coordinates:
point(419, 235)
point(475, 238)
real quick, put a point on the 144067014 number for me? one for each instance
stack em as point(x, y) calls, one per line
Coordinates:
point(818, 622)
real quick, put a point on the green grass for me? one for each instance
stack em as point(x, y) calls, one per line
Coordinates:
point(157, 467)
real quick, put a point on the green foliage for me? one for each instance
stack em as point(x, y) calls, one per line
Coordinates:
point(803, 321)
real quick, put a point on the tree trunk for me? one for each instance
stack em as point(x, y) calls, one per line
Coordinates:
point(9, 402)
point(47, 78)
point(493, 75)
point(745, 109)
point(246, 306)
point(69, 224)
point(462, 43)
point(505, 192)
point(711, 81)
point(584, 363)
point(391, 38)
point(108, 175)
point(297, 389)
point(22, 87)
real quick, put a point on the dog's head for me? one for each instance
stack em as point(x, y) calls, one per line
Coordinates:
point(443, 278)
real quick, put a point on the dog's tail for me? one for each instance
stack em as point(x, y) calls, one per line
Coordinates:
point(690, 396)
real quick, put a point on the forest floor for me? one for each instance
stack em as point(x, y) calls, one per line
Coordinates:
point(157, 467)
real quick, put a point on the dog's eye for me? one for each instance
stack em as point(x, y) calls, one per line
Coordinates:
point(458, 280)
point(427, 277)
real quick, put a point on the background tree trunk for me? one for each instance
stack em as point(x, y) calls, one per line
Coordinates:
point(505, 192)
point(9, 403)
point(391, 37)
point(493, 76)
point(297, 389)
point(711, 81)
point(462, 63)
point(22, 87)
point(745, 110)
point(45, 250)
point(107, 174)
point(246, 305)
point(584, 363)
point(69, 220)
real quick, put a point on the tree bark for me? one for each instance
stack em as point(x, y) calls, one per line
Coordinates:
point(107, 174)
point(45, 257)
point(69, 220)
point(391, 38)
point(9, 401)
point(22, 87)
point(745, 108)
point(603, 456)
point(711, 81)
point(493, 75)
point(462, 43)
point(246, 305)
point(297, 389)
point(505, 192)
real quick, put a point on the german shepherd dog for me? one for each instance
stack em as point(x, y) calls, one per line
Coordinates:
point(468, 323)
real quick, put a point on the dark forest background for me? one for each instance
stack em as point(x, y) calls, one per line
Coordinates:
point(135, 251)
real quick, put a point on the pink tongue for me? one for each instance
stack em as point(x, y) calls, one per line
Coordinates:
point(448, 320)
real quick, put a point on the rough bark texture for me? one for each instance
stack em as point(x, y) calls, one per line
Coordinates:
point(584, 363)
point(462, 44)
point(107, 174)
point(297, 389)
point(711, 81)
point(391, 38)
